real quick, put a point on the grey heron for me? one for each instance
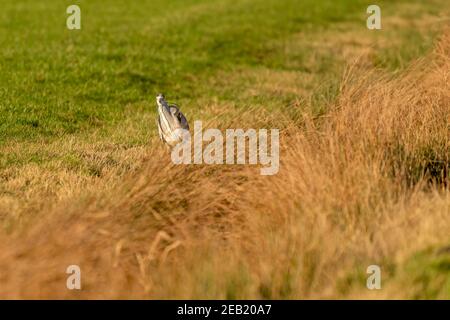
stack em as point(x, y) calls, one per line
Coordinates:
point(170, 121)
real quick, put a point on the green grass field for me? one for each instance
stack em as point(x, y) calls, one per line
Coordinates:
point(77, 107)
point(56, 82)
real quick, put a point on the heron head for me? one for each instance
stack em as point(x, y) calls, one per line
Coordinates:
point(160, 100)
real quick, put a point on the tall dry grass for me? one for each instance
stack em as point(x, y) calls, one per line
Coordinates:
point(367, 183)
